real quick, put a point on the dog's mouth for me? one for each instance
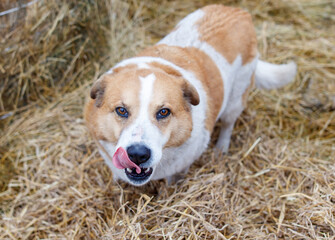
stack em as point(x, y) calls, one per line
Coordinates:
point(136, 177)
point(136, 174)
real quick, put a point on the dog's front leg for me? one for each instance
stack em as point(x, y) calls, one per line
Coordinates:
point(223, 142)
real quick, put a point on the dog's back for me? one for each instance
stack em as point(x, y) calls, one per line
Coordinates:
point(227, 36)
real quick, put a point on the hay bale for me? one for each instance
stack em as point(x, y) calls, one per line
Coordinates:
point(276, 182)
point(57, 46)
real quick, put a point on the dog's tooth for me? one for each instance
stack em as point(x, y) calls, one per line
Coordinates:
point(147, 170)
point(129, 170)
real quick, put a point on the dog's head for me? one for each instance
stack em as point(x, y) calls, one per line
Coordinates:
point(137, 112)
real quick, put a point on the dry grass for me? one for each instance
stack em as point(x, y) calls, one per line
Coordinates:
point(278, 181)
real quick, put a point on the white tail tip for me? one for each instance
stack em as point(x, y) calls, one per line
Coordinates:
point(270, 76)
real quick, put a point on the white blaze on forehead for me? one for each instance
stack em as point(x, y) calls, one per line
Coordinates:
point(137, 133)
point(147, 84)
point(143, 129)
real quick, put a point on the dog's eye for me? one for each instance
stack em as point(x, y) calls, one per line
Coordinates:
point(122, 112)
point(163, 113)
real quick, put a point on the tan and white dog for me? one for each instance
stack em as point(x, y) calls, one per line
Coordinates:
point(152, 115)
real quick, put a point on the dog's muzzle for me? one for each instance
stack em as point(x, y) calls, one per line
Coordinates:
point(131, 161)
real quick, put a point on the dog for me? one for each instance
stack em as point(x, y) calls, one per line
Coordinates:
point(152, 115)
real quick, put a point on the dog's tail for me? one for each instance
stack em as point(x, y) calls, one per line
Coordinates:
point(270, 76)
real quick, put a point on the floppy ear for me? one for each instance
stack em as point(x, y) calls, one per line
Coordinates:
point(97, 91)
point(190, 93)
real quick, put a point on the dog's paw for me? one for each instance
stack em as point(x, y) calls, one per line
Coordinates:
point(219, 151)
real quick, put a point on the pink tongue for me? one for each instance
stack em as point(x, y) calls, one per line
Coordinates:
point(121, 160)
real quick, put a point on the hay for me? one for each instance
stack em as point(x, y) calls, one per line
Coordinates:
point(277, 182)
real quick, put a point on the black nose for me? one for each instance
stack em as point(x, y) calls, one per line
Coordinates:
point(138, 153)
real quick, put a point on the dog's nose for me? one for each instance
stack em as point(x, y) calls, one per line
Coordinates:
point(138, 153)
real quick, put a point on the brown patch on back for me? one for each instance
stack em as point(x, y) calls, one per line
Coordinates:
point(230, 31)
point(198, 62)
point(177, 55)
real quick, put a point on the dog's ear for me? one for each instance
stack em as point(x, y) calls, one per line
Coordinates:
point(190, 93)
point(97, 91)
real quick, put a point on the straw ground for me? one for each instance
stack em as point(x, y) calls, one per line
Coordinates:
point(277, 182)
